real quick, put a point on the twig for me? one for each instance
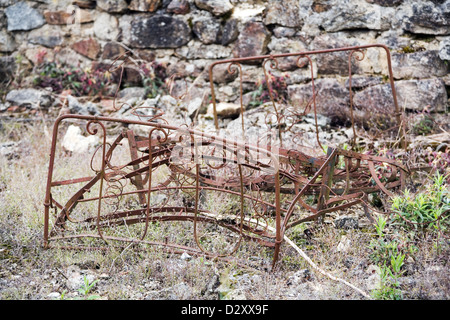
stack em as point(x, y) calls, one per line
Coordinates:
point(62, 273)
point(304, 256)
point(120, 255)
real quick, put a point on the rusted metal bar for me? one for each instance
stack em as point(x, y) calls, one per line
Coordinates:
point(134, 155)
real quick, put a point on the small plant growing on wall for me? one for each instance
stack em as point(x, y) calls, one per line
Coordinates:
point(277, 86)
point(154, 77)
point(82, 82)
point(96, 81)
point(425, 123)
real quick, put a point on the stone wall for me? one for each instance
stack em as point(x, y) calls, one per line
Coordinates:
point(187, 35)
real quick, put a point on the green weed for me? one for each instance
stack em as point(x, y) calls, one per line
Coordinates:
point(427, 210)
point(86, 288)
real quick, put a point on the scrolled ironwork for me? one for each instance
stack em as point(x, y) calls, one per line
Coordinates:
point(180, 174)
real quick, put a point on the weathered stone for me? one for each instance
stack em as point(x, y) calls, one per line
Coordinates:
point(7, 42)
point(193, 107)
point(112, 5)
point(225, 110)
point(386, 3)
point(282, 32)
point(57, 17)
point(360, 82)
point(444, 49)
point(89, 48)
point(344, 245)
point(338, 137)
point(47, 36)
point(76, 107)
point(146, 109)
point(336, 62)
point(197, 50)
point(252, 40)
point(86, 4)
point(299, 277)
point(417, 94)
point(229, 32)
point(206, 29)
point(210, 289)
point(112, 50)
point(320, 6)
point(54, 295)
point(3, 20)
point(144, 5)
point(82, 16)
point(38, 55)
point(411, 94)
point(147, 55)
point(221, 74)
point(254, 124)
point(185, 256)
point(179, 291)
point(178, 7)
point(52, 3)
point(357, 14)
point(283, 45)
point(446, 80)
point(7, 69)
point(374, 280)
point(183, 69)
point(106, 27)
point(5, 3)
point(9, 150)
point(228, 93)
point(375, 103)
point(66, 17)
point(74, 141)
point(332, 98)
point(250, 75)
point(426, 17)
point(216, 7)
point(346, 223)
point(284, 13)
point(69, 57)
point(300, 74)
point(30, 98)
point(23, 17)
point(394, 40)
point(159, 31)
point(311, 291)
point(131, 92)
point(423, 64)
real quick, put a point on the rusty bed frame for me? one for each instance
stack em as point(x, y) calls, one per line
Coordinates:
point(270, 185)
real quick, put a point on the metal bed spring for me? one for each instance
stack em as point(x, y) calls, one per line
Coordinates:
point(174, 170)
